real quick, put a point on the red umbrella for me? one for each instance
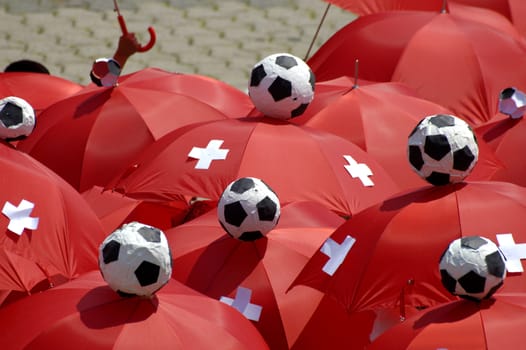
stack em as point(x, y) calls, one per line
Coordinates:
point(86, 313)
point(496, 323)
point(379, 120)
point(100, 130)
point(40, 90)
point(389, 252)
point(403, 45)
point(114, 210)
point(50, 233)
point(212, 262)
point(298, 163)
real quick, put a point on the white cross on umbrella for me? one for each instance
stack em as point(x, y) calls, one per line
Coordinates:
point(19, 217)
point(243, 305)
point(359, 170)
point(514, 252)
point(206, 155)
point(336, 253)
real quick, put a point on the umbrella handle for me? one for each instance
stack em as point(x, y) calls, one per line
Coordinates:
point(153, 36)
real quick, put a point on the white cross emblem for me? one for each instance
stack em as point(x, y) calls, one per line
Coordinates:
point(336, 253)
point(206, 155)
point(19, 217)
point(242, 304)
point(360, 171)
point(512, 251)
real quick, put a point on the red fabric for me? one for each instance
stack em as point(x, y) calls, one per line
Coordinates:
point(87, 314)
point(298, 163)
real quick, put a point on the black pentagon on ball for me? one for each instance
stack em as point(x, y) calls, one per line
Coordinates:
point(472, 282)
point(472, 242)
point(235, 214)
point(250, 236)
point(463, 158)
point(442, 120)
point(150, 234)
point(415, 157)
point(496, 264)
point(448, 282)
point(267, 209)
point(147, 273)
point(11, 114)
point(286, 62)
point(436, 146)
point(299, 111)
point(507, 93)
point(242, 185)
point(312, 79)
point(110, 252)
point(280, 89)
point(257, 75)
point(438, 179)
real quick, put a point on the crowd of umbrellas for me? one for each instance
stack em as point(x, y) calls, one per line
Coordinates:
point(350, 228)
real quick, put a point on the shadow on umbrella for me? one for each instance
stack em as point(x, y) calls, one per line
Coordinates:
point(92, 103)
point(403, 200)
point(451, 312)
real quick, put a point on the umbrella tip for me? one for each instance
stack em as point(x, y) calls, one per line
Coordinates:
point(356, 66)
point(444, 7)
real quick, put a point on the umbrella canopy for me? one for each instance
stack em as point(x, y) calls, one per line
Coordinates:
point(505, 136)
point(299, 163)
point(100, 130)
point(212, 262)
point(393, 248)
point(86, 313)
point(496, 323)
point(39, 90)
point(114, 210)
point(402, 46)
point(379, 119)
point(50, 233)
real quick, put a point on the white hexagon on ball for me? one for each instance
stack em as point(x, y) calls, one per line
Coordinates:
point(248, 209)
point(281, 86)
point(442, 149)
point(135, 259)
point(17, 118)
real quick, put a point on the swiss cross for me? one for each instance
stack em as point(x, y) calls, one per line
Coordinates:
point(206, 155)
point(359, 170)
point(336, 253)
point(19, 217)
point(243, 305)
point(513, 252)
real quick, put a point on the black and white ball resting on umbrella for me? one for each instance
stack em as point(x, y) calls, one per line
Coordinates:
point(248, 209)
point(105, 72)
point(281, 86)
point(17, 118)
point(135, 260)
point(472, 267)
point(442, 149)
point(512, 102)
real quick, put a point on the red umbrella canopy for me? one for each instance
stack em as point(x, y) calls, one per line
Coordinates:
point(255, 275)
point(299, 163)
point(403, 45)
point(40, 90)
point(113, 209)
point(379, 120)
point(86, 313)
point(50, 233)
point(101, 129)
point(386, 257)
point(496, 323)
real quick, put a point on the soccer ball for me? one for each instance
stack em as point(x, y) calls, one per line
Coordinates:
point(442, 149)
point(472, 267)
point(135, 259)
point(17, 118)
point(512, 102)
point(105, 72)
point(248, 209)
point(281, 86)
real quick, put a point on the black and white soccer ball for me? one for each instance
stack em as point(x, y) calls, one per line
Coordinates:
point(512, 102)
point(17, 118)
point(135, 259)
point(472, 267)
point(105, 72)
point(442, 149)
point(248, 209)
point(281, 86)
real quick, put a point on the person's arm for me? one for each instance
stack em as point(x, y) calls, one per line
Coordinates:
point(128, 45)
